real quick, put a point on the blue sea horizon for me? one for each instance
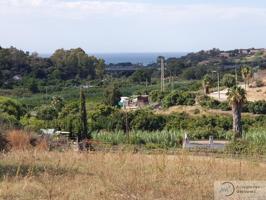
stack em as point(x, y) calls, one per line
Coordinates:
point(134, 58)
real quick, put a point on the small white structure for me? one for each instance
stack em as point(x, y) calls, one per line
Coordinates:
point(48, 131)
point(134, 102)
point(62, 133)
point(124, 101)
point(52, 132)
point(185, 141)
point(203, 144)
point(17, 77)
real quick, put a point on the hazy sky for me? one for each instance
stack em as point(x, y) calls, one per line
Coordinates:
point(132, 26)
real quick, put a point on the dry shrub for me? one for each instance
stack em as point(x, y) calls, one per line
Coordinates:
point(19, 140)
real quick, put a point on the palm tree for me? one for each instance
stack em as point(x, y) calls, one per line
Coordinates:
point(236, 98)
point(246, 74)
point(207, 81)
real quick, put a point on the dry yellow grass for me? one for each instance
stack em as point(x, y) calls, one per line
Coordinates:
point(73, 175)
point(191, 111)
point(19, 139)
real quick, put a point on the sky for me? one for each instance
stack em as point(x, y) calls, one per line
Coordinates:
point(109, 26)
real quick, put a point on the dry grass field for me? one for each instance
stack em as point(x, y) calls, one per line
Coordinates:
point(191, 111)
point(36, 175)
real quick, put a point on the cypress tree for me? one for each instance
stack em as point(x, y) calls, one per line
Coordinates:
point(83, 117)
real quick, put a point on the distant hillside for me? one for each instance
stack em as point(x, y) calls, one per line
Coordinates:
point(22, 68)
point(196, 65)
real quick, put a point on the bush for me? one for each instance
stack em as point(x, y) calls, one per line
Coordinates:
point(112, 95)
point(11, 107)
point(8, 121)
point(208, 102)
point(253, 143)
point(19, 140)
point(146, 120)
point(157, 96)
point(47, 112)
point(179, 98)
point(258, 107)
point(229, 80)
point(3, 142)
point(259, 83)
point(238, 147)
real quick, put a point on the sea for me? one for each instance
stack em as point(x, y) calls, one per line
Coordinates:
point(134, 58)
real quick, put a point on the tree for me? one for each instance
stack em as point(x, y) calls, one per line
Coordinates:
point(83, 117)
point(31, 84)
point(69, 118)
point(229, 80)
point(246, 74)
point(112, 95)
point(207, 82)
point(75, 63)
point(47, 113)
point(11, 107)
point(142, 75)
point(58, 103)
point(100, 69)
point(236, 98)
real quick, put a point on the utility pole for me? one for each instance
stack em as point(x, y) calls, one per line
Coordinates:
point(162, 63)
point(126, 122)
point(218, 75)
point(127, 128)
point(219, 85)
point(236, 75)
point(146, 83)
point(46, 93)
point(171, 81)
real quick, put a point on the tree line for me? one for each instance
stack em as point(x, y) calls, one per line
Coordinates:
point(19, 67)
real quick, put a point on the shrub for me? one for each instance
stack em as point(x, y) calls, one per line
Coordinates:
point(8, 121)
point(112, 95)
point(258, 107)
point(196, 111)
point(208, 102)
point(253, 143)
point(146, 120)
point(32, 123)
point(238, 147)
point(179, 98)
point(47, 112)
point(229, 80)
point(11, 107)
point(157, 96)
point(3, 142)
point(19, 140)
point(259, 83)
